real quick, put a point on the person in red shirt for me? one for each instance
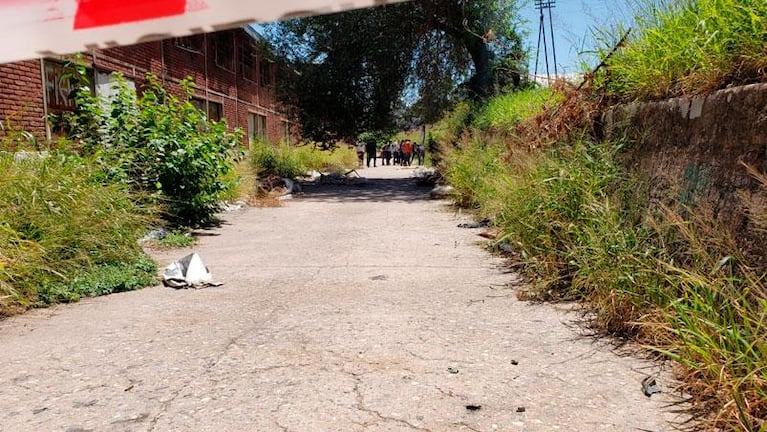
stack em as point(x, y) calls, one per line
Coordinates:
point(407, 152)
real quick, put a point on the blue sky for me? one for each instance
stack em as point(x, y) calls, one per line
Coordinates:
point(573, 22)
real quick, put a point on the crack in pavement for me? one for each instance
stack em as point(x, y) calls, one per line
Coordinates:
point(233, 340)
point(466, 425)
point(360, 406)
point(164, 407)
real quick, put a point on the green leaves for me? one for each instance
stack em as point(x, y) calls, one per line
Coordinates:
point(160, 142)
point(373, 69)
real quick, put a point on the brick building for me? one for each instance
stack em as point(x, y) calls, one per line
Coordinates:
point(235, 81)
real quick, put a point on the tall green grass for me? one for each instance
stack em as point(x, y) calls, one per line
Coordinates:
point(678, 285)
point(61, 227)
point(502, 113)
point(690, 46)
point(284, 160)
point(448, 131)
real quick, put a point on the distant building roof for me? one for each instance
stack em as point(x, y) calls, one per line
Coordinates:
point(253, 33)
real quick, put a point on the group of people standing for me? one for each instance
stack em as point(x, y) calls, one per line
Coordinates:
point(402, 153)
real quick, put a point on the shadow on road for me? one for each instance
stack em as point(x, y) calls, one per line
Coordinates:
point(372, 190)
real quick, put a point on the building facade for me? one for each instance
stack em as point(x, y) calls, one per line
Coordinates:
point(235, 80)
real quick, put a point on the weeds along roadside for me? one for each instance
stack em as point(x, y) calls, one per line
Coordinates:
point(688, 47)
point(70, 219)
point(66, 234)
point(579, 223)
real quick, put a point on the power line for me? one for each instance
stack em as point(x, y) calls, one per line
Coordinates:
point(543, 7)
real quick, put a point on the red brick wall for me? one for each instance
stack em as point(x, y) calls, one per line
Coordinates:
point(171, 63)
point(21, 98)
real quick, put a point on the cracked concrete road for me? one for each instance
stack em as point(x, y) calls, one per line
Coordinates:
point(351, 309)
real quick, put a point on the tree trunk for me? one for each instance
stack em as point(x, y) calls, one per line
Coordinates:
point(481, 84)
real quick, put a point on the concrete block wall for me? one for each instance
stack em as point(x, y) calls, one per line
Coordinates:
point(693, 151)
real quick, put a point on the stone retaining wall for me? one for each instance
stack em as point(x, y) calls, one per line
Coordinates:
point(692, 150)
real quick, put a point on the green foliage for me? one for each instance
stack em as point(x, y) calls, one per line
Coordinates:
point(471, 169)
point(159, 144)
point(177, 239)
point(60, 221)
point(134, 273)
point(449, 130)
point(690, 46)
point(288, 161)
point(356, 68)
point(504, 112)
point(280, 161)
point(678, 285)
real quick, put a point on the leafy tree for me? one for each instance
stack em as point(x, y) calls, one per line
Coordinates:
point(356, 69)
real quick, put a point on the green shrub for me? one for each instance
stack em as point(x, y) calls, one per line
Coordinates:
point(159, 143)
point(59, 221)
point(288, 161)
point(281, 161)
point(333, 160)
point(136, 272)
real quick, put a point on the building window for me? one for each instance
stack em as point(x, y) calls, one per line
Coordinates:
point(212, 110)
point(286, 131)
point(199, 104)
point(248, 62)
point(59, 89)
point(256, 127)
point(267, 78)
point(190, 43)
point(215, 111)
point(106, 87)
point(223, 48)
point(60, 94)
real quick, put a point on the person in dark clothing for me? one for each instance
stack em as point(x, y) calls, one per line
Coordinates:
point(419, 152)
point(386, 153)
point(371, 149)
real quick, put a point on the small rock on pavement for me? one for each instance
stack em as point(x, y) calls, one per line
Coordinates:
point(649, 386)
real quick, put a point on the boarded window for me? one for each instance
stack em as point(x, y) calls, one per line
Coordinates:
point(59, 89)
point(106, 87)
point(215, 111)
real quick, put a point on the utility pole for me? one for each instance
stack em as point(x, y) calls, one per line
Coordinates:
point(543, 7)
